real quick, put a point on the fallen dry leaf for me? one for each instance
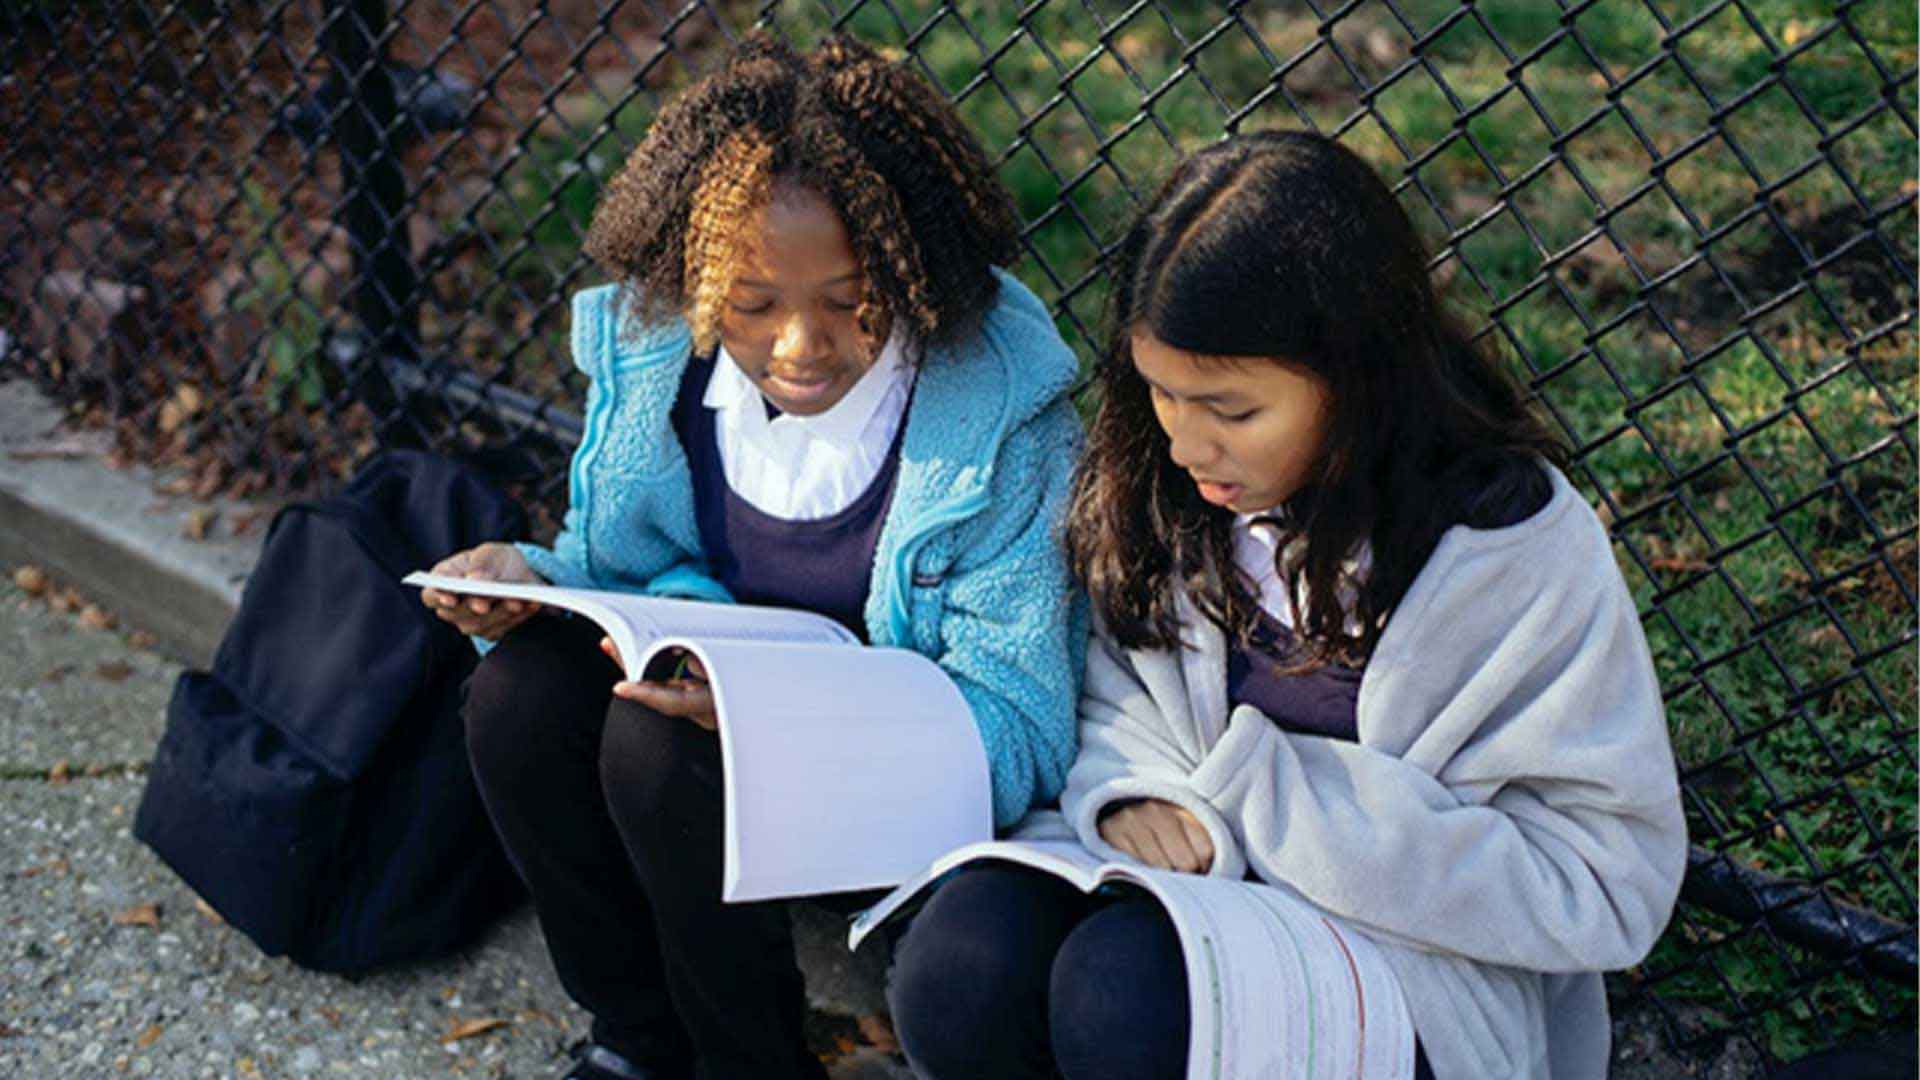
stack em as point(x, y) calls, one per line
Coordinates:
point(95, 617)
point(199, 522)
point(878, 1031)
point(30, 579)
point(467, 1029)
point(139, 915)
point(1679, 564)
point(140, 639)
point(248, 520)
point(251, 482)
point(60, 773)
point(531, 1014)
point(114, 670)
point(57, 867)
point(330, 1015)
point(1823, 636)
point(148, 1037)
point(54, 675)
point(206, 911)
point(65, 601)
point(210, 479)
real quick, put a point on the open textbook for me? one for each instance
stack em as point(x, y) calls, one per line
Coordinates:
point(847, 766)
point(1276, 988)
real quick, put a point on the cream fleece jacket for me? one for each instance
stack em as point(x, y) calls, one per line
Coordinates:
point(1508, 824)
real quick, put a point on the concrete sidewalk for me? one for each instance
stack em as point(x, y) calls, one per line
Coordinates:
point(109, 965)
point(113, 968)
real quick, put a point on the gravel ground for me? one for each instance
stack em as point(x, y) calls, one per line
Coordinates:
point(110, 966)
point(72, 694)
point(114, 968)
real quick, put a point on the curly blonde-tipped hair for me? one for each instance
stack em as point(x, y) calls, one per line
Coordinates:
point(732, 187)
point(879, 143)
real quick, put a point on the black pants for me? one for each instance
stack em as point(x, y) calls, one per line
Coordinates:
point(1009, 972)
point(612, 814)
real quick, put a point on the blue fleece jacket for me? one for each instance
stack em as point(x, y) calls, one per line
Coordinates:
point(969, 570)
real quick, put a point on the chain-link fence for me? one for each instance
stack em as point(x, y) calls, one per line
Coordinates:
point(262, 239)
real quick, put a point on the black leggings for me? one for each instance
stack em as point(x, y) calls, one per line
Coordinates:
point(1009, 972)
point(612, 814)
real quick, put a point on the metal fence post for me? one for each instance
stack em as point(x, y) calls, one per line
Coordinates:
point(372, 210)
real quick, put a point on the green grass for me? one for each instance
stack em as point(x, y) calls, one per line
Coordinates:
point(1735, 448)
point(288, 368)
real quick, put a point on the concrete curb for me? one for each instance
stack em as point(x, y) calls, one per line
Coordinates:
point(113, 533)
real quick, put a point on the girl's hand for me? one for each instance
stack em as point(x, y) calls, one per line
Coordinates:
point(1160, 834)
point(483, 616)
point(685, 695)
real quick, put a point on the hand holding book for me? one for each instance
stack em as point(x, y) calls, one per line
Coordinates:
point(483, 616)
point(683, 692)
point(807, 764)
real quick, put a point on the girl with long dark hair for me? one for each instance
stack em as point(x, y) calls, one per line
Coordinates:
point(1357, 640)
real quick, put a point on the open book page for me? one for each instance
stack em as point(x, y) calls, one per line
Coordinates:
point(1275, 986)
point(1063, 859)
point(1278, 988)
point(845, 768)
point(635, 622)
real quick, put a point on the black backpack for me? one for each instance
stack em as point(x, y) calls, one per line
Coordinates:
point(314, 786)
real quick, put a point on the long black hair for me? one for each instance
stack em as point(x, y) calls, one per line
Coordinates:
point(1286, 245)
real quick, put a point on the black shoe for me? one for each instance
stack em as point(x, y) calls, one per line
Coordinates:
point(597, 1062)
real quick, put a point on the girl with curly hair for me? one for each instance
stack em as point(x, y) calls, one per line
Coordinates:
point(1358, 641)
point(812, 385)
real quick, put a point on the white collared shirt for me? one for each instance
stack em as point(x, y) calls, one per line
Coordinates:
point(1256, 551)
point(802, 468)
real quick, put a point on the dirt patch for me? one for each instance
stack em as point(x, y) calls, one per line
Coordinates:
point(1644, 1049)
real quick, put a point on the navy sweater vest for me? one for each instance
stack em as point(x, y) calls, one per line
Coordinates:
point(823, 565)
